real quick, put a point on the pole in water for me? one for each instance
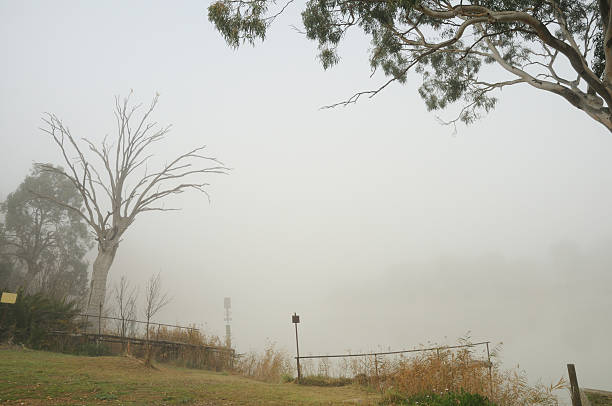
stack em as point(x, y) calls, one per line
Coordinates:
point(574, 388)
point(295, 319)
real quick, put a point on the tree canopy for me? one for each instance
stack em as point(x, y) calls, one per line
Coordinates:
point(562, 47)
point(115, 182)
point(46, 241)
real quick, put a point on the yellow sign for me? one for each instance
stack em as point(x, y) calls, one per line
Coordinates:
point(10, 298)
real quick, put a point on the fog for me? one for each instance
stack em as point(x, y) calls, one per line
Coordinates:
point(379, 226)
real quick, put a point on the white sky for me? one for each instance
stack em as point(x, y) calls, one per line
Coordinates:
point(376, 224)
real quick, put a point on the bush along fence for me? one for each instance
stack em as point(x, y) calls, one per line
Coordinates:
point(435, 369)
point(162, 350)
point(437, 372)
point(50, 324)
point(182, 345)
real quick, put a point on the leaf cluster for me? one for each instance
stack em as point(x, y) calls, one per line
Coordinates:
point(239, 21)
point(29, 320)
point(46, 241)
point(447, 42)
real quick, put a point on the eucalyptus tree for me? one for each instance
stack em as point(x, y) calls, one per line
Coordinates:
point(116, 184)
point(45, 242)
point(563, 47)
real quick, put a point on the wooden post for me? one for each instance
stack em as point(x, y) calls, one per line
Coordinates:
point(297, 346)
point(574, 389)
point(295, 319)
point(490, 374)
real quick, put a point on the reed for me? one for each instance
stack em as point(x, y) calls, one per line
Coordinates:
point(437, 372)
point(271, 365)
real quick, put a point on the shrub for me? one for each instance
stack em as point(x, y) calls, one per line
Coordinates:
point(322, 380)
point(198, 355)
point(92, 350)
point(270, 366)
point(34, 315)
point(432, 399)
point(460, 373)
point(441, 371)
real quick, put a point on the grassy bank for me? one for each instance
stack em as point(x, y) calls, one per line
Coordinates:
point(43, 378)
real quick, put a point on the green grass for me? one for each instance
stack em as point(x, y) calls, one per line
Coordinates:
point(599, 399)
point(433, 399)
point(317, 380)
point(29, 377)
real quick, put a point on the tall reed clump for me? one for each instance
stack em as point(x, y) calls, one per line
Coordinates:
point(448, 371)
point(184, 335)
point(270, 366)
point(201, 351)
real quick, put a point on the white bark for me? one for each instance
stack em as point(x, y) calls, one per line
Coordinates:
point(97, 290)
point(110, 206)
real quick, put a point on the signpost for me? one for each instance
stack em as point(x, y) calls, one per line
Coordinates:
point(9, 298)
point(295, 319)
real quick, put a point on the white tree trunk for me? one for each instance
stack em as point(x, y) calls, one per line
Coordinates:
point(97, 289)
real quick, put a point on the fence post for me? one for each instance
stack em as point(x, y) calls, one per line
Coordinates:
point(490, 374)
point(575, 390)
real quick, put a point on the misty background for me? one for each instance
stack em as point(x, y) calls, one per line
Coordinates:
point(379, 226)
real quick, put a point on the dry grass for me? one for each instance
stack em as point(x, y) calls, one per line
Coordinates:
point(270, 366)
point(202, 352)
point(460, 370)
point(182, 335)
point(179, 346)
point(441, 371)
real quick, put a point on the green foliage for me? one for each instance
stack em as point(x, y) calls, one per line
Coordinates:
point(7, 270)
point(434, 399)
point(90, 349)
point(245, 22)
point(45, 241)
point(448, 50)
point(319, 380)
point(286, 378)
point(32, 316)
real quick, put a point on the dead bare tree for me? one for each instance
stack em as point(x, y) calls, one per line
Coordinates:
point(125, 302)
point(119, 186)
point(155, 300)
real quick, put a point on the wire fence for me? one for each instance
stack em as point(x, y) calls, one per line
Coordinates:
point(108, 335)
point(442, 367)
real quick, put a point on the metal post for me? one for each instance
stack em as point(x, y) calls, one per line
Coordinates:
point(575, 390)
point(296, 319)
point(490, 374)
